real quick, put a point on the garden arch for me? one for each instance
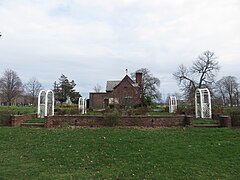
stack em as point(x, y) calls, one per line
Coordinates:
point(82, 105)
point(172, 104)
point(203, 106)
point(45, 103)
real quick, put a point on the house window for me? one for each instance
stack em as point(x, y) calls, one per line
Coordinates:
point(113, 100)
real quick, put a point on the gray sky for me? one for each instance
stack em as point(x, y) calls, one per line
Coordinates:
point(92, 41)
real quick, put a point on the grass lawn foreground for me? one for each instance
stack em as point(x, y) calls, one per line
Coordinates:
point(124, 153)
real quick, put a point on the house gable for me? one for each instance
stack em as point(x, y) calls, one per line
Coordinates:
point(124, 93)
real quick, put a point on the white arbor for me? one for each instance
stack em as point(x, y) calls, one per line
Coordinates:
point(172, 104)
point(45, 103)
point(203, 106)
point(82, 105)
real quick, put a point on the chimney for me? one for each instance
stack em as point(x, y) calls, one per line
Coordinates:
point(139, 78)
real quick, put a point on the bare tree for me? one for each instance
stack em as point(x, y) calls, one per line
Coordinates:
point(220, 91)
point(229, 89)
point(200, 75)
point(150, 85)
point(97, 88)
point(10, 86)
point(33, 87)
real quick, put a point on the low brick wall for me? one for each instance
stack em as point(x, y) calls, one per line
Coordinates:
point(225, 121)
point(125, 121)
point(17, 120)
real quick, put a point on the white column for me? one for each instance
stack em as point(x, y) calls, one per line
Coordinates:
point(39, 102)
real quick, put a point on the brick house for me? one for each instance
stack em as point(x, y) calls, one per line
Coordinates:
point(123, 93)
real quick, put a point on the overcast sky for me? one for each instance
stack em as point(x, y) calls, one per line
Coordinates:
point(92, 41)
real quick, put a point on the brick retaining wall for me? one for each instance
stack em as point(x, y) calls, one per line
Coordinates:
point(99, 121)
point(17, 120)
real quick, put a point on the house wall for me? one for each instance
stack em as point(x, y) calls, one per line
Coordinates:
point(126, 93)
point(96, 100)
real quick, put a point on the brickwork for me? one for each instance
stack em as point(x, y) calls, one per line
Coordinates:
point(124, 121)
point(17, 120)
point(127, 93)
point(97, 100)
point(225, 121)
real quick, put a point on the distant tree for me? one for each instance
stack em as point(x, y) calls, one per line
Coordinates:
point(228, 88)
point(200, 75)
point(32, 88)
point(64, 89)
point(74, 97)
point(97, 88)
point(150, 86)
point(10, 86)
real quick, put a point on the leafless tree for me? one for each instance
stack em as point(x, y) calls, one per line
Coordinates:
point(200, 75)
point(220, 91)
point(10, 86)
point(97, 88)
point(32, 88)
point(228, 87)
point(150, 85)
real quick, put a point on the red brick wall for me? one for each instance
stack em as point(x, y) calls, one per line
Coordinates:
point(126, 121)
point(225, 121)
point(125, 89)
point(96, 100)
point(17, 120)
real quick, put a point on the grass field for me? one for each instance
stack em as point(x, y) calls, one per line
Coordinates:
point(18, 109)
point(204, 121)
point(112, 153)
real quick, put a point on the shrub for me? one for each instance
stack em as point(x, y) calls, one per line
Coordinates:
point(66, 110)
point(187, 110)
point(5, 116)
point(235, 117)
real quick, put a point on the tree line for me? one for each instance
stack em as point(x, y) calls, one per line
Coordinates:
point(202, 74)
point(14, 92)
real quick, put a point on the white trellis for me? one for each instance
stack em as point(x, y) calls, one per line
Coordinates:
point(45, 103)
point(172, 104)
point(82, 105)
point(203, 107)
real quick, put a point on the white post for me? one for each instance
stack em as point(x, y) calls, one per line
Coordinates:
point(209, 103)
point(172, 104)
point(39, 102)
point(46, 104)
point(196, 104)
point(201, 102)
point(46, 100)
point(82, 105)
point(85, 105)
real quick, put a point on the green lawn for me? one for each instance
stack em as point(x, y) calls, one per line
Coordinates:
point(112, 153)
point(204, 121)
point(18, 109)
point(36, 120)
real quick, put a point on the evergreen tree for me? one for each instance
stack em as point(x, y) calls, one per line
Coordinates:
point(64, 89)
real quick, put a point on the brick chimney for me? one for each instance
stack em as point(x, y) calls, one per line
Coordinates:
point(139, 78)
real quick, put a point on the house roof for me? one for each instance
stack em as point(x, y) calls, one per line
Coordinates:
point(111, 84)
